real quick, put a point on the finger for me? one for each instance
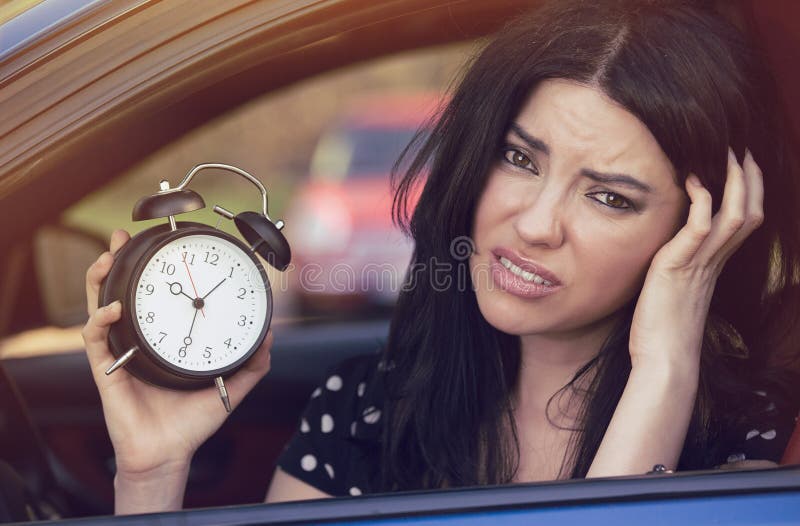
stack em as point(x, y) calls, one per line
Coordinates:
point(118, 238)
point(682, 248)
point(243, 381)
point(95, 335)
point(94, 277)
point(755, 191)
point(730, 219)
point(754, 206)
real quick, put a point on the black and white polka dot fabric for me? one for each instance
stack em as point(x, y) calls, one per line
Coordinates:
point(336, 448)
point(763, 431)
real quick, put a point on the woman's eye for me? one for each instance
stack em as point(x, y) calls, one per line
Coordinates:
point(611, 200)
point(519, 159)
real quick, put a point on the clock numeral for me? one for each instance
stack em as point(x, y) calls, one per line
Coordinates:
point(242, 292)
point(207, 352)
point(211, 259)
point(228, 343)
point(230, 275)
point(167, 269)
point(163, 335)
point(189, 260)
point(242, 320)
point(149, 289)
point(150, 318)
point(182, 352)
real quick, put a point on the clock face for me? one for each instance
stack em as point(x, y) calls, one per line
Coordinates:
point(201, 302)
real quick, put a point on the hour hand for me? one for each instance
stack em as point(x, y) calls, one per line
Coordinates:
point(176, 289)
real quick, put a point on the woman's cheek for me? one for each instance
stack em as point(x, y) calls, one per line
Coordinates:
point(615, 260)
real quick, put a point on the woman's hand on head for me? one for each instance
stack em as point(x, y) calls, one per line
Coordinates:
point(154, 431)
point(671, 311)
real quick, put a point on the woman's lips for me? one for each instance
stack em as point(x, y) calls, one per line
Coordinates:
point(522, 276)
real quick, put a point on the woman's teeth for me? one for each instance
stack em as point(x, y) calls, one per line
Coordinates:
point(527, 276)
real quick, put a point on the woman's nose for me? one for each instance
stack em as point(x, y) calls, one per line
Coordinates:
point(539, 221)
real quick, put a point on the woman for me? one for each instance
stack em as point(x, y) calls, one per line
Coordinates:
point(603, 161)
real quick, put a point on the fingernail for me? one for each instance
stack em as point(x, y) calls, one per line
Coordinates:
point(113, 305)
point(731, 155)
point(694, 180)
point(747, 154)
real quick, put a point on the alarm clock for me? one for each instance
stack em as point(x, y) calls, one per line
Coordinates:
point(196, 301)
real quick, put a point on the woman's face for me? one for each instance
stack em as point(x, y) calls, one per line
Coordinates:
point(578, 202)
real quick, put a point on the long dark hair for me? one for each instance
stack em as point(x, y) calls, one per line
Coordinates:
point(699, 87)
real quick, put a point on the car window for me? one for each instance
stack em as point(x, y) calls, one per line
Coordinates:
point(346, 125)
point(360, 152)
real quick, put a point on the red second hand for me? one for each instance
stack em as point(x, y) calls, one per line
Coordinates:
point(196, 295)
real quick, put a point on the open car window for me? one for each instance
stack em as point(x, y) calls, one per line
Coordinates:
point(323, 143)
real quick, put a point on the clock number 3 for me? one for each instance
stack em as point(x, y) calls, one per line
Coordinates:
point(242, 320)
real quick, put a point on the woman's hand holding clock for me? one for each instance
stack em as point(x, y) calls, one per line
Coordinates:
point(154, 431)
point(650, 423)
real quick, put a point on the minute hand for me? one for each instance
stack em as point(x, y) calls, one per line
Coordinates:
point(215, 288)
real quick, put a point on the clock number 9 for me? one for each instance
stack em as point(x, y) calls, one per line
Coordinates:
point(149, 289)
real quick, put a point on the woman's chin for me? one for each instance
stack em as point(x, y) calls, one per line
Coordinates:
point(506, 315)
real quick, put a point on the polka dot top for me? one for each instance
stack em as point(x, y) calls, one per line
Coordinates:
point(336, 447)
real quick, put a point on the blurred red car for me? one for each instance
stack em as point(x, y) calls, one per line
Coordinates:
point(347, 253)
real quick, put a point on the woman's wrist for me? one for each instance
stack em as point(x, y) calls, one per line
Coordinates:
point(154, 490)
point(650, 422)
point(676, 373)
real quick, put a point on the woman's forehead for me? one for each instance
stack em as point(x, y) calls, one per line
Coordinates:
point(580, 121)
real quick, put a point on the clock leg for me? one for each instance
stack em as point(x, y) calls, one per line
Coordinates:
point(223, 393)
point(122, 360)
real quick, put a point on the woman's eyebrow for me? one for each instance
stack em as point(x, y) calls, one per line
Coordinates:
point(616, 179)
point(606, 178)
point(533, 142)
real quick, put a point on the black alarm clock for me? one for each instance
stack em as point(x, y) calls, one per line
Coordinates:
point(196, 301)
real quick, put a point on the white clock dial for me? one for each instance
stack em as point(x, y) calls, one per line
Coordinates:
point(201, 302)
